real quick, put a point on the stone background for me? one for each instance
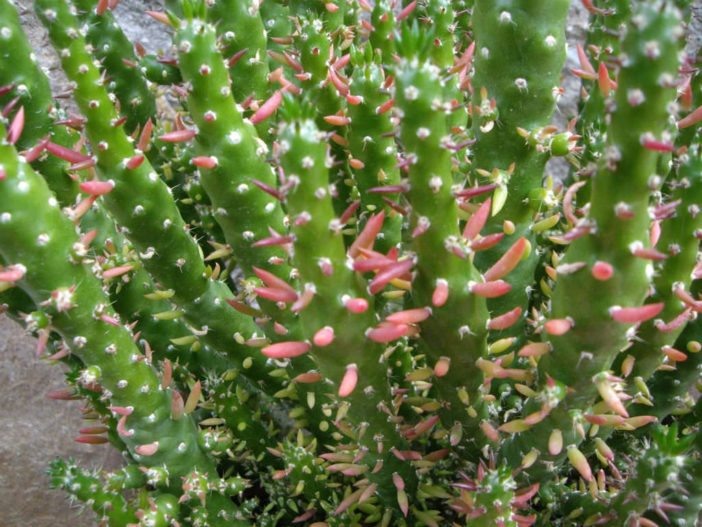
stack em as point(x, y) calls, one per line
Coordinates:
point(33, 429)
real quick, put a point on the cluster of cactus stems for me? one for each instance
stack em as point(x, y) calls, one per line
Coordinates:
point(308, 266)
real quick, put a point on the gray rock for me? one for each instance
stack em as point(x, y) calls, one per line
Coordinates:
point(34, 431)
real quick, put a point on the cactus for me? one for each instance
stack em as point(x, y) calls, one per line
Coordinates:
point(307, 266)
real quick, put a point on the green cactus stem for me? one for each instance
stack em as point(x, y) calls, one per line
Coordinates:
point(241, 27)
point(109, 505)
point(591, 334)
point(657, 336)
point(142, 204)
point(20, 69)
point(519, 53)
point(34, 232)
point(372, 147)
point(445, 283)
point(339, 296)
point(518, 56)
point(382, 20)
point(237, 182)
point(233, 156)
point(118, 61)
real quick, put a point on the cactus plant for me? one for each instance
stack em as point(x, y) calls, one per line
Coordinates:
point(309, 265)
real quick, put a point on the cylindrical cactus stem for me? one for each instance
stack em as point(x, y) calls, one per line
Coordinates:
point(19, 68)
point(81, 313)
point(382, 20)
point(241, 27)
point(343, 337)
point(372, 146)
point(463, 17)
point(231, 157)
point(603, 42)
point(119, 63)
point(440, 15)
point(518, 56)
point(128, 302)
point(278, 26)
point(519, 53)
point(622, 185)
point(674, 240)
point(39, 115)
point(109, 504)
point(677, 247)
point(330, 13)
point(143, 205)
point(607, 22)
point(322, 79)
point(159, 69)
point(235, 179)
point(446, 279)
point(67, 191)
point(243, 38)
point(24, 73)
point(38, 240)
point(586, 336)
point(131, 186)
point(673, 280)
point(314, 44)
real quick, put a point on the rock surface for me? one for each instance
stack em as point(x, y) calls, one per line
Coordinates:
point(33, 431)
